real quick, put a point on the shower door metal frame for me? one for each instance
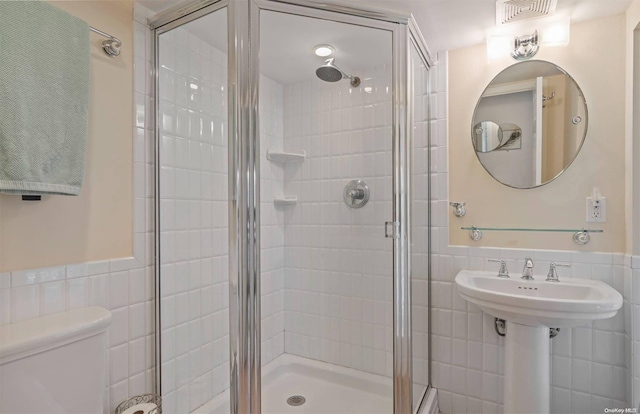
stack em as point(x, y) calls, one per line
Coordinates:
point(244, 176)
point(245, 318)
point(244, 196)
point(415, 40)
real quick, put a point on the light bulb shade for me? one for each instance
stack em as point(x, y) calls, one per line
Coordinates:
point(503, 40)
point(525, 47)
point(556, 33)
point(499, 46)
point(324, 50)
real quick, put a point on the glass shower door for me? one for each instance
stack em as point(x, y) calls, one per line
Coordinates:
point(326, 190)
point(193, 206)
point(286, 231)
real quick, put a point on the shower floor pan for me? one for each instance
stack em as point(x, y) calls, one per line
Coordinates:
point(326, 389)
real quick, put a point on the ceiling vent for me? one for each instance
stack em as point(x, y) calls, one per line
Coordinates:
point(508, 11)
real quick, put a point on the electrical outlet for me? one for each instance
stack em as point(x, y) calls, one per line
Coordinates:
point(596, 212)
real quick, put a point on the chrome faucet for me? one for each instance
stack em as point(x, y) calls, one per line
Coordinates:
point(527, 271)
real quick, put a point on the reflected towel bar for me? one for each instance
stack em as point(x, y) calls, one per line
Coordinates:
point(111, 46)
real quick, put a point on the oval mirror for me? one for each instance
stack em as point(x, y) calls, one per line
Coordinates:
point(529, 124)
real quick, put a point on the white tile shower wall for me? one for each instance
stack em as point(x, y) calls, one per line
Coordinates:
point(194, 221)
point(338, 264)
point(125, 286)
point(271, 220)
point(420, 170)
point(588, 363)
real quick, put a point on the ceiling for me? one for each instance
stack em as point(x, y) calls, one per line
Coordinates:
point(445, 24)
point(290, 59)
point(452, 24)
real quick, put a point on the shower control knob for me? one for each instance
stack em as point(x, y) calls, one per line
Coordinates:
point(356, 194)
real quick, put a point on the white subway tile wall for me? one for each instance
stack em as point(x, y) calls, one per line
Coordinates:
point(590, 365)
point(272, 232)
point(194, 273)
point(194, 221)
point(338, 264)
point(420, 176)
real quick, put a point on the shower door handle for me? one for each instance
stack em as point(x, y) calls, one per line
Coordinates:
point(391, 229)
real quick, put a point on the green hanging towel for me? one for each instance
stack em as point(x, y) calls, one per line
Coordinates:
point(44, 99)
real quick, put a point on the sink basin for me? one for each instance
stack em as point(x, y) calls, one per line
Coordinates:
point(567, 303)
point(530, 308)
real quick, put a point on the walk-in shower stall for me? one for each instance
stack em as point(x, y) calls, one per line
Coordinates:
point(293, 208)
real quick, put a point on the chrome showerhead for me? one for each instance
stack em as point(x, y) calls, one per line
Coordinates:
point(329, 72)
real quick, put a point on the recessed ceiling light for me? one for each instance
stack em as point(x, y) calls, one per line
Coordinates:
point(323, 50)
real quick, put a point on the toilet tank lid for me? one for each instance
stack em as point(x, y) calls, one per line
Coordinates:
point(21, 339)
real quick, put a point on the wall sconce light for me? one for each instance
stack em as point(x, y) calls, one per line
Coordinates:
point(503, 41)
point(525, 47)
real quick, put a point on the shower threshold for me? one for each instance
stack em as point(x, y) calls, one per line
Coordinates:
point(326, 388)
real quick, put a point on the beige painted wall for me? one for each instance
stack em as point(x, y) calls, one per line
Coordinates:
point(595, 58)
point(98, 223)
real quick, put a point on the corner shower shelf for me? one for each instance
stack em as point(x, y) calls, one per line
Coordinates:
point(285, 157)
point(287, 200)
point(580, 236)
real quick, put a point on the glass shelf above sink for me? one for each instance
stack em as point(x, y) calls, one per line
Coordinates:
point(527, 229)
point(580, 236)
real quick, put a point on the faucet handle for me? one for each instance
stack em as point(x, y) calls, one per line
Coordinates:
point(503, 272)
point(527, 270)
point(552, 276)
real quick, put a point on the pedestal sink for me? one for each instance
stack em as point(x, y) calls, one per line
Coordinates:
point(530, 308)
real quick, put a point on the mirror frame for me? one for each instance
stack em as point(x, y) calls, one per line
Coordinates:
point(584, 138)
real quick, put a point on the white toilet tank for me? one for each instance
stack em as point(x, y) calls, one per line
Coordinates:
point(55, 364)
